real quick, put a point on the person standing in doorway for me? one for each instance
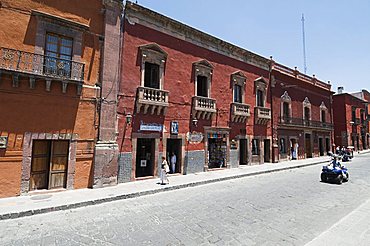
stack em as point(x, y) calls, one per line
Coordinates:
point(164, 170)
point(173, 161)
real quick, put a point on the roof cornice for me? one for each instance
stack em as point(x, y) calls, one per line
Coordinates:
point(136, 14)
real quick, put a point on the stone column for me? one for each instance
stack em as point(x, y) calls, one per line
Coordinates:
point(106, 149)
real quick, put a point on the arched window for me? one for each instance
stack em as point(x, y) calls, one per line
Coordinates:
point(323, 112)
point(286, 104)
point(306, 111)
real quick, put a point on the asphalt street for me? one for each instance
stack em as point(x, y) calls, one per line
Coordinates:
point(284, 208)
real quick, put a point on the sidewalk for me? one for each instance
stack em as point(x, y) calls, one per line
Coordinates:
point(15, 207)
point(353, 229)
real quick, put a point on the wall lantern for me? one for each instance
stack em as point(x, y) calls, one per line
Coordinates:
point(128, 119)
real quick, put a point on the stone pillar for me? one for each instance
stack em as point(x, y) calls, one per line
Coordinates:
point(106, 149)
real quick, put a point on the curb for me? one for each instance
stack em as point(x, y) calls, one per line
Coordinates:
point(143, 193)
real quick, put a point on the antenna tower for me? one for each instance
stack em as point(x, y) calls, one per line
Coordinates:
point(304, 46)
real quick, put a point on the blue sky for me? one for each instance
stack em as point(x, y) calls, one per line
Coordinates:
point(337, 32)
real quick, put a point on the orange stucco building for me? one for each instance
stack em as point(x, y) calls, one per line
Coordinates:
point(51, 77)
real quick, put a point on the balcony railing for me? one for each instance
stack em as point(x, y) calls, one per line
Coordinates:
point(152, 100)
point(204, 107)
point(41, 65)
point(289, 121)
point(240, 112)
point(262, 115)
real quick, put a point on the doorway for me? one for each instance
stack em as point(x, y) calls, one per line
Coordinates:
point(145, 154)
point(173, 155)
point(308, 147)
point(327, 145)
point(266, 150)
point(49, 164)
point(293, 149)
point(243, 152)
point(216, 153)
point(321, 147)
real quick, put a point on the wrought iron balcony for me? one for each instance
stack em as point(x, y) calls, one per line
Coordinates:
point(151, 100)
point(262, 115)
point(204, 107)
point(240, 112)
point(299, 122)
point(41, 65)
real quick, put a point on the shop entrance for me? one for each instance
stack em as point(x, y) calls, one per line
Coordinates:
point(145, 154)
point(174, 155)
point(321, 147)
point(243, 152)
point(216, 153)
point(49, 164)
point(266, 150)
point(308, 148)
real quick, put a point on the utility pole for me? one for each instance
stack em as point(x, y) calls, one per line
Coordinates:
point(304, 46)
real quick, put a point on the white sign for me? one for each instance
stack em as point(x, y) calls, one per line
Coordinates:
point(3, 142)
point(143, 163)
point(194, 137)
point(151, 127)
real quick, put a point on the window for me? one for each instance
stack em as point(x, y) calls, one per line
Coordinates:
point(238, 94)
point(151, 77)
point(238, 81)
point(323, 116)
point(260, 101)
point(202, 78)
point(307, 113)
point(202, 89)
point(260, 85)
point(354, 115)
point(58, 55)
point(255, 147)
point(153, 59)
point(286, 113)
point(285, 107)
point(283, 149)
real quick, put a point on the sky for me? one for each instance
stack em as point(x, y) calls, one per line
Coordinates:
point(337, 32)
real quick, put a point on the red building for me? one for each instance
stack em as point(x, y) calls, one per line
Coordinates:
point(209, 102)
point(301, 114)
point(351, 119)
point(185, 92)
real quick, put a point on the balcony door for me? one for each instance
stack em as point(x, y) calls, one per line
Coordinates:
point(202, 86)
point(49, 164)
point(151, 78)
point(58, 55)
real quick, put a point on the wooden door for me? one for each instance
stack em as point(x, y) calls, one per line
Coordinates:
point(58, 164)
point(49, 164)
point(40, 165)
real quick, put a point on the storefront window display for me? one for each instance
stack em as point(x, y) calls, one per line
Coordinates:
point(217, 148)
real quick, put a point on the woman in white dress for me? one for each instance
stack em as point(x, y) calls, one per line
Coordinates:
point(165, 168)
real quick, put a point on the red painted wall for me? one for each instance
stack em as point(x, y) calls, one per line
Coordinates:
point(178, 81)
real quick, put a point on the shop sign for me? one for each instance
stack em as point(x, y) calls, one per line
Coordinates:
point(174, 127)
point(194, 137)
point(216, 135)
point(152, 127)
point(3, 142)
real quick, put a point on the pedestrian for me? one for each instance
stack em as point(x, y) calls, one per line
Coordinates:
point(173, 162)
point(164, 170)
